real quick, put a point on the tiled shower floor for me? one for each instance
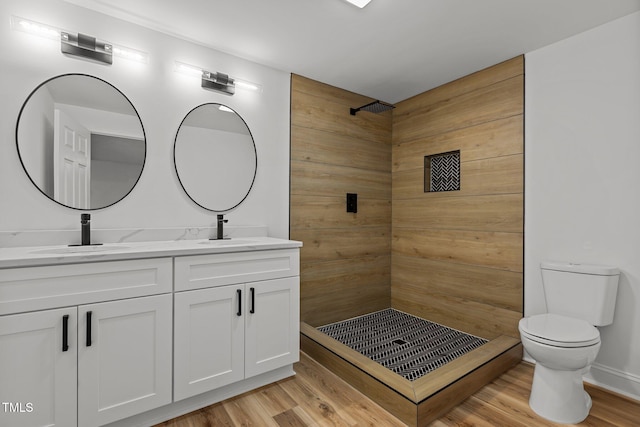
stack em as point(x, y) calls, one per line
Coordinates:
point(407, 345)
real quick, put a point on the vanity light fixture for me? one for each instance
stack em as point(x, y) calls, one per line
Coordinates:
point(130, 54)
point(36, 28)
point(359, 3)
point(243, 84)
point(79, 44)
point(217, 81)
point(190, 70)
point(86, 47)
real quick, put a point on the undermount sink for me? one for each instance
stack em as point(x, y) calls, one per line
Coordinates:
point(80, 249)
point(228, 242)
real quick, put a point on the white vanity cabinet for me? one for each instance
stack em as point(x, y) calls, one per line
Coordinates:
point(135, 336)
point(104, 356)
point(124, 364)
point(272, 325)
point(236, 316)
point(38, 379)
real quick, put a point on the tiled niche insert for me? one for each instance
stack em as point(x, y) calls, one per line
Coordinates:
point(442, 172)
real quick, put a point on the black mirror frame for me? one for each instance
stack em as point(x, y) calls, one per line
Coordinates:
point(255, 171)
point(22, 161)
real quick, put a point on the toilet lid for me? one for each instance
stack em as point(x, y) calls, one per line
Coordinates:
point(561, 331)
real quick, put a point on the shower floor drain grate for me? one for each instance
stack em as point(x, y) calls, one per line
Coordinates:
point(407, 345)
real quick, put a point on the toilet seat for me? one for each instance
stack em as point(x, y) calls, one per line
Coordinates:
point(559, 331)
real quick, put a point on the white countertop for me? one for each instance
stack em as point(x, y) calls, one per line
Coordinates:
point(63, 254)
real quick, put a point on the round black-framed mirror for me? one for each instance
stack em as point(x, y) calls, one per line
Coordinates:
point(81, 141)
point(215, 157)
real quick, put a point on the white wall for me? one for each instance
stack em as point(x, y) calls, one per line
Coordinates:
point(162, 97)
point(582, 177)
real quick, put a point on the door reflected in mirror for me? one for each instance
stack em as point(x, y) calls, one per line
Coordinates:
point(215, 157)
point(81, 141)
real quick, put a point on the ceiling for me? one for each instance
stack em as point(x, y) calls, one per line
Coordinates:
point(390, 50)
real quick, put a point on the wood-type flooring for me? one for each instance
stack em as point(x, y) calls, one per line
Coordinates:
point(316, 397)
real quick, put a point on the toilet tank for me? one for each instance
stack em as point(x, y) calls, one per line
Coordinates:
point(583, 291)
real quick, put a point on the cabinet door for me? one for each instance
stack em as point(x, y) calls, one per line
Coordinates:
point(272, 325)
point(209, 339)
point(38, 376)
point(124, 358)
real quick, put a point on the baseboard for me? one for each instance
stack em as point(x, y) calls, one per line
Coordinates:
point(614, 380)
point(608, 378)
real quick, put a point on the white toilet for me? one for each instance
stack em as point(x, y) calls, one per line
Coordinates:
point(564, 342)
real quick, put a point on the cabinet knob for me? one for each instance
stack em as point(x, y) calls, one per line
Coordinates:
point(239, 291)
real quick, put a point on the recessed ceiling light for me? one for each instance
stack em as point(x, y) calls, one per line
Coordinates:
point(359, 3)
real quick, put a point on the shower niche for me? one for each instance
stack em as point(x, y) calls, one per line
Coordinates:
point(442, 172)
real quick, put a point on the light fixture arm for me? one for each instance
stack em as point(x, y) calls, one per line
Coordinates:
point(86, 46)
point(219, 82)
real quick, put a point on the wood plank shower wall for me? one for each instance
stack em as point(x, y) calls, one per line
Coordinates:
point(457, 257)
point(346, 258)
point(454, 258)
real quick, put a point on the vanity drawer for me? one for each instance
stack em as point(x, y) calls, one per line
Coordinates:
point(205, 271)
point(37, 288)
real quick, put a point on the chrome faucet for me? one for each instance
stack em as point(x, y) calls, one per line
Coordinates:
point(220, 230)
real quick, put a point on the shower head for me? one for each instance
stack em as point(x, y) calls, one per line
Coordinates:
point(373, 107)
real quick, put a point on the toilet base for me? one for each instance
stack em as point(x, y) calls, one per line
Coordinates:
point(559, 396)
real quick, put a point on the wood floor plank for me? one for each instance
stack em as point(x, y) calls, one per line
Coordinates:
point(305, 417)
point(290, 418)
point(478, 413)
point(314, 403)
point(316, 397)
point(275, 400)
point(214, 415)
point(246, 410)
point(617, 410)
point(360, 411)
point(501, 402)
